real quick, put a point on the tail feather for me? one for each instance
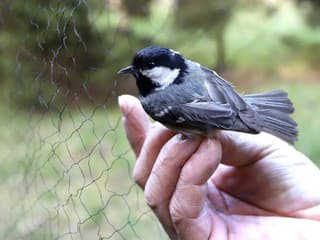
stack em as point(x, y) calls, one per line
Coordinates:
point(274, 109)
point(274, 100)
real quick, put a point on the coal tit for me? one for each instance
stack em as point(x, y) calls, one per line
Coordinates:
point(194, 100)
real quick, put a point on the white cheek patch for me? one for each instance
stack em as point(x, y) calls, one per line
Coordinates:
point(164, 76)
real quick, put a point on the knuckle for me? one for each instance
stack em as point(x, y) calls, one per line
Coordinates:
point(165, 150)
point(139, 178)
point(151, 199)
point(210, 165)
point(167, 157)
point(167, 161)
point(184, 177)
point(176, 213)
point(152, 193)
point(177, 220)
point(137, 143)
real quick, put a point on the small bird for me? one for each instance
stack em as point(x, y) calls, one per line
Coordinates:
point(194, 100)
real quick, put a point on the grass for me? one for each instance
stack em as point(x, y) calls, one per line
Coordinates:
point(71, 175)
point(67, 173)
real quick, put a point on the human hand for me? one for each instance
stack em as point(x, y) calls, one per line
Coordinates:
point(233, 186)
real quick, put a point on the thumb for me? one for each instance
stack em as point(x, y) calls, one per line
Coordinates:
point(135, 120)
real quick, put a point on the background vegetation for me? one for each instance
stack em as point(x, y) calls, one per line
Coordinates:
point(65, 165)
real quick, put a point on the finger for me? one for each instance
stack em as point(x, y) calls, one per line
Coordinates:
point(202, 164)
point(240, 149)
point(157, 136)
point(165, 174)
point(135, 120)
point(188, 205)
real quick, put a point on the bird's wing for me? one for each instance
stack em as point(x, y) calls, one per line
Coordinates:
point(212, 109)
point(206, 115)
point(217, 86)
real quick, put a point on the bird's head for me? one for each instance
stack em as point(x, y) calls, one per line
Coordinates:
point(155, 68)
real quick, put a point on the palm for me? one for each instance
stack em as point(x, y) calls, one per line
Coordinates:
point(271, 184)
point(263, 195)
point(240, 187)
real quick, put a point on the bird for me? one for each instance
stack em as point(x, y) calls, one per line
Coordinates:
point(192, 99)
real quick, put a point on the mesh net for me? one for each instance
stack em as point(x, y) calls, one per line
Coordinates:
point(66, 166)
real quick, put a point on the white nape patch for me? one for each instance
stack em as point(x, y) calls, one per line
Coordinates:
point(214, 72)
point(174, 52)
point(164, 76)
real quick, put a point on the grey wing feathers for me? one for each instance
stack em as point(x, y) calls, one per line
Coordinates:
point(224, 88)
point(267, 111)
point(206, 115)
point(211, 108)
point(249, 118)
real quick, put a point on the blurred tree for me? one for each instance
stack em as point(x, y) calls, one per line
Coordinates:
point(52, 41)
point(212, 17)
point(313, 11)
point(137, 8)
point(58, 46)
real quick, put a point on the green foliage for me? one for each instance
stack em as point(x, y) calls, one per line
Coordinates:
point(211, 16)
point(204, 14)
point(258, 41)
point(306, 101)
point(312, 8)
point(137, 8)
point(57, 51)
point(52, 43)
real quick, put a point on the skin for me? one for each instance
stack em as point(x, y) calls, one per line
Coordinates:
point(232, 186)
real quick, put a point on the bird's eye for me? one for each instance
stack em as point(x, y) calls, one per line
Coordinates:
point(150, 64)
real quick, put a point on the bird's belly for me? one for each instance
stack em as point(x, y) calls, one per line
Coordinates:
point(208, 132)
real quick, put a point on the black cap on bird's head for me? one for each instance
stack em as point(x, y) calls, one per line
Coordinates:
point(155, 68)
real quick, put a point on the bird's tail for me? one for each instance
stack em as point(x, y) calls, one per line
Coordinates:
point(274, 109)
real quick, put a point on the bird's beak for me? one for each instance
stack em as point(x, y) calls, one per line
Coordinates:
point(126, 70)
